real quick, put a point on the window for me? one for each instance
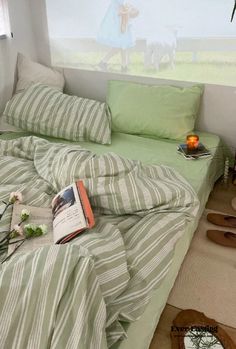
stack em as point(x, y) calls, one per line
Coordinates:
point(4, 26)
point(176, 39)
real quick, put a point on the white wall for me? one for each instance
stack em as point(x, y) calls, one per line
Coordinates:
point(23, 41)
point(6, 72)
point(218, 109)
point(40, 29)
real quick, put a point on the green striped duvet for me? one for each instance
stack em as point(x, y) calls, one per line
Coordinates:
point(79, 295)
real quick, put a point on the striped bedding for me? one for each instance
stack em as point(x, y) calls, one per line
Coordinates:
point(45, 110)
point(80, 295)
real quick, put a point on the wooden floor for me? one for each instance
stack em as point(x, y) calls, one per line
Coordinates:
point(220, 200)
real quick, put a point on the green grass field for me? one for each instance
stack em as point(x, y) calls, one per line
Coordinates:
point(211, 67)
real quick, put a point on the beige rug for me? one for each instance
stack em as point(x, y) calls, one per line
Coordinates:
point(207, 278)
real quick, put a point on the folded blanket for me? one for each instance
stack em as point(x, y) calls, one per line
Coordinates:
point(79, 295)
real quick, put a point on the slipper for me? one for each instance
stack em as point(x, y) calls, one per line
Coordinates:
point(233, 203)
point(224, 238)
point(222, 219)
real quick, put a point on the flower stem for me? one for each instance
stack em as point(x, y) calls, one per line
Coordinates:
point(15, 249)
point(6, 207)
point(7, 237)
point(4, 246)
point(15, 242)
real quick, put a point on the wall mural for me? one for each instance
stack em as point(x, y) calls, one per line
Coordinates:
point(176, 39)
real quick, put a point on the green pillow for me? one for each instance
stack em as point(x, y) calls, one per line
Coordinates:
point(45, 110)
point(156, 111)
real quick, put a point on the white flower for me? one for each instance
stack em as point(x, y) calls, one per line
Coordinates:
point(30, 226)
point(24, 215)
point(33, 230)
point(18, 230)
point(15, 197)
point(44, 228)
point(30, 230)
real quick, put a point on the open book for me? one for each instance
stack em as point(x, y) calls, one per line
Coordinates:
point(69, 215)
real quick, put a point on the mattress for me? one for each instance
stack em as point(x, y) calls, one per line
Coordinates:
point(201, 174)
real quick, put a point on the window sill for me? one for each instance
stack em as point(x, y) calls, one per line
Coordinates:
point(3, 36)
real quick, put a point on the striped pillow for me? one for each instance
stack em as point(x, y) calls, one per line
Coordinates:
point(45, 110)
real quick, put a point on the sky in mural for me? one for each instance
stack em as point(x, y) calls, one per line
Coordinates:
point(82, 18)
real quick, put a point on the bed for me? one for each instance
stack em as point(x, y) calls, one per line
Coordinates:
point(201, 174)
point(145, 189)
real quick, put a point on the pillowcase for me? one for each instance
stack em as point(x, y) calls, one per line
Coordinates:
point(5, 127)
point(30, 72)
point(46, 111)
point(154, 111)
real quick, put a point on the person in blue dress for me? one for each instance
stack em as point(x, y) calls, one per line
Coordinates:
point(115, 31)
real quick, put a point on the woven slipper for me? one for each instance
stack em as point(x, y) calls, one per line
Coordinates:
point(222, 220)
point(224, 238)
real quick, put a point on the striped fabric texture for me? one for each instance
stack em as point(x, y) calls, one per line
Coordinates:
point(80, 294)
point(45, 110)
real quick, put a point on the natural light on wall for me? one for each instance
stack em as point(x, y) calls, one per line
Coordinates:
point(4, 22)
point(174, 39)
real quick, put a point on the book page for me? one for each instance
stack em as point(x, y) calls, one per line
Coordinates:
point(68, 215)
point(38, 215)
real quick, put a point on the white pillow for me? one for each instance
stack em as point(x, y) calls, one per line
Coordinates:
point(30, 72)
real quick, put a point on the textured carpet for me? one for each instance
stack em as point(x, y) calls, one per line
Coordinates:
point(207, 278)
